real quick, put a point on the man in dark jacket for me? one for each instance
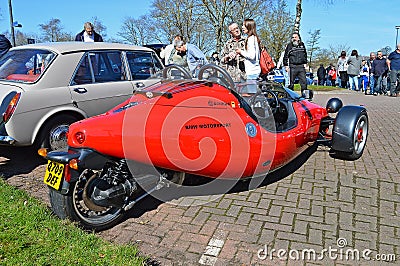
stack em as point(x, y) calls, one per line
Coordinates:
point(294, 60)
point(88, 34)
point(379, 70)
point(5, 45)
point(321, 73)
point(393, 62)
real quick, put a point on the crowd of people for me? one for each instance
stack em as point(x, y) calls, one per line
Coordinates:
point(377, 75)
point(240, 56)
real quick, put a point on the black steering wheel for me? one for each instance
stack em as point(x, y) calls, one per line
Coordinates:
point(217, 74)
point(264, 104)
point(175, 72)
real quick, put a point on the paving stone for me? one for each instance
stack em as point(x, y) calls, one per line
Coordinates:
point(244, 218)
point(233, 210)
point(170, 238)
point(275, 211)
point(287, 218)
point(209, 227)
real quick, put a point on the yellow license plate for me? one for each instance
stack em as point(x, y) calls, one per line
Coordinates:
point(54, 174)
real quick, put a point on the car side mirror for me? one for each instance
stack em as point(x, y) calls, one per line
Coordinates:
point(334, 105)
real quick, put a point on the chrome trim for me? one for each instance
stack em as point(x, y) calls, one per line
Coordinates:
point(7, 140)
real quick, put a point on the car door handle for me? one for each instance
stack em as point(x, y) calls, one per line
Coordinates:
point(80, 90)
point(139, 85)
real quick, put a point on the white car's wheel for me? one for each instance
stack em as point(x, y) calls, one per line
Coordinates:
point(53, 134)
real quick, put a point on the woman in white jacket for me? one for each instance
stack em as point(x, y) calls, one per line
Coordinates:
point(251, 54)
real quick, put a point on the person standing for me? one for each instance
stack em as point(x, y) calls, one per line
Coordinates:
point(294, 61)
point(321, 73)
point(379, 70)
point(393, 63)
point(332, 76)
point(371, 59)
point(5, 45)
point(195, 58)
point(88, 34)
point(364, 75)
point(169, 49)
point(215, 58)
point(342, 69)
point(327, 77)
point(283, 69)
point(231, 61)
point(353, 69)
point(251, 54)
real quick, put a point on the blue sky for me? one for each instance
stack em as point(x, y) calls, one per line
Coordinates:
point(359, 24)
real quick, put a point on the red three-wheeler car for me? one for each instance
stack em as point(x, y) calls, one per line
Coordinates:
point(208, 126)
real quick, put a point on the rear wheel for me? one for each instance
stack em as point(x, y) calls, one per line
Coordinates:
point(53, 134)
point(77, 205)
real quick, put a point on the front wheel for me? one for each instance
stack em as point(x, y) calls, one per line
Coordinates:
point(350, 135)
point(77, 205)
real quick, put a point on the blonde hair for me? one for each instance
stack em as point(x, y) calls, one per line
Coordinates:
point(88, 25)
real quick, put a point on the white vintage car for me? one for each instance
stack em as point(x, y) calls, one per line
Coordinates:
point(46, 87)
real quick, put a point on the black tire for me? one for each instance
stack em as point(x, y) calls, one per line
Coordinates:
point(358, 136)
point(58, 124)
point(77, 207)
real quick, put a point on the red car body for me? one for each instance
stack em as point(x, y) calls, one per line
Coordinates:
point(188, 128)
point(197, 127)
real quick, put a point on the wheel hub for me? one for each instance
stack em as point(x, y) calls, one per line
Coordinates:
point(58, 137)
point(360, 135)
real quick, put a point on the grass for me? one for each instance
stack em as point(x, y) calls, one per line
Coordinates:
point(31, 235)
point(317, 88)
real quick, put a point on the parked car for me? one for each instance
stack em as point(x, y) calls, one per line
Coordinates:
point(156, 47)
point(276, 75)
point(46, 87)
point(180, 128)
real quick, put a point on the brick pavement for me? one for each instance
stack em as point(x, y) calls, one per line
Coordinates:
point(320, 202)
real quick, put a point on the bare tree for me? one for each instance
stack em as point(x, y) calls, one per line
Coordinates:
point(136, 31)
point(312, 44)
point(277, 28)
point(128, 31)
point(203, 22)
point(297, 20)
point(176, 17)
point(324, 57)
point(220, 13)
point(52, 31)
point(335, 50)
point(99, 27)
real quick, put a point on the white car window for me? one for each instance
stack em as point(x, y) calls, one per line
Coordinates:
point(25, 65)
point(143, 65)
point(98, 67)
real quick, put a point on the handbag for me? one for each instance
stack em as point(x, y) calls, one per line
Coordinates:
point(266, 62)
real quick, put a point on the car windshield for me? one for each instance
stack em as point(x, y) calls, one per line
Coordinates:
point(25, 65)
